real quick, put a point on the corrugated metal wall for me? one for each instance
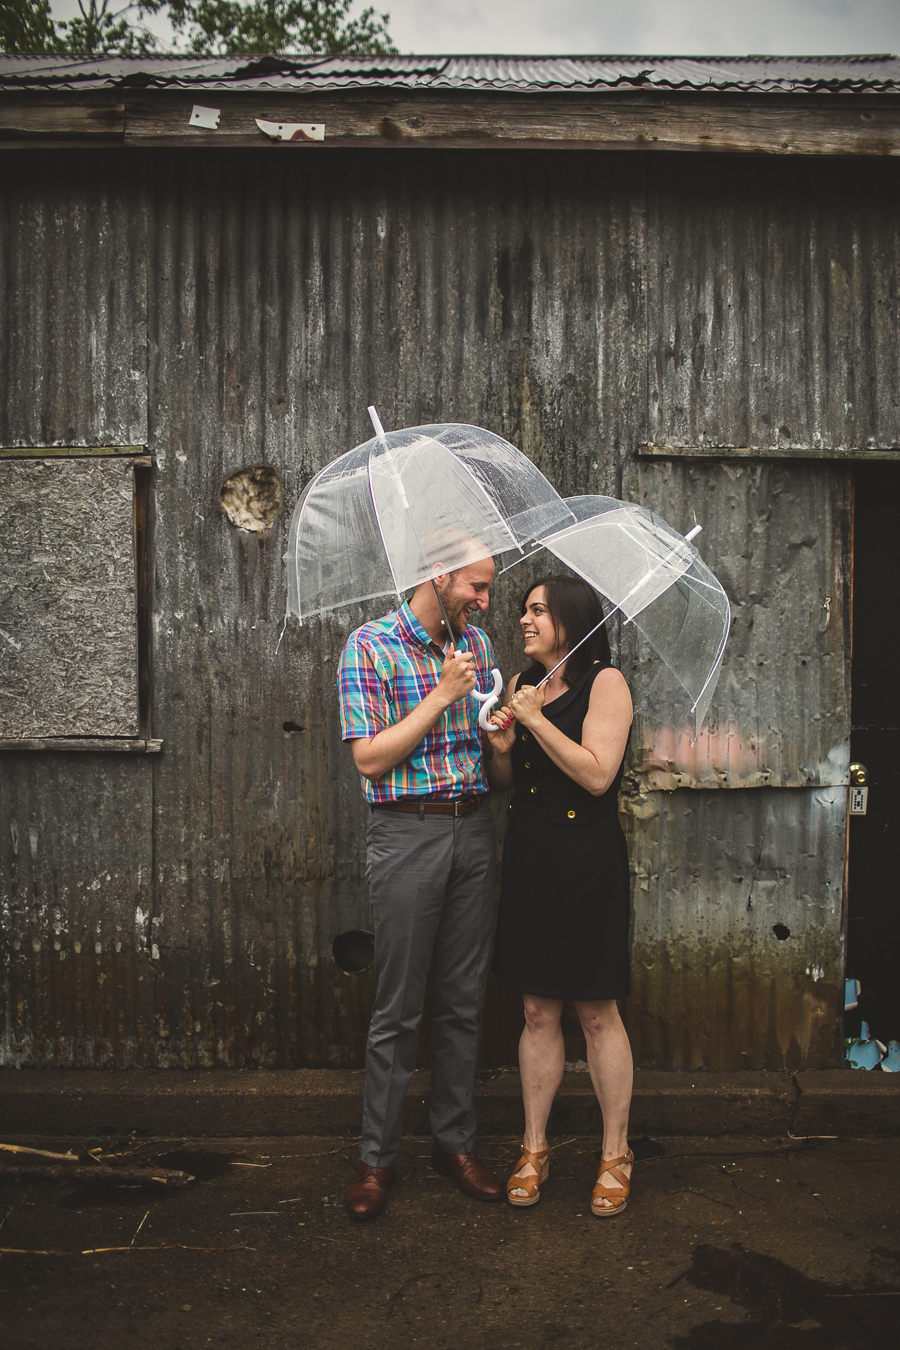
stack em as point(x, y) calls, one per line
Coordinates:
point(180, 909)
point(73, 342)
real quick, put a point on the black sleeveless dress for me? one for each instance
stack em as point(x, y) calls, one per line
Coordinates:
point(564, 901)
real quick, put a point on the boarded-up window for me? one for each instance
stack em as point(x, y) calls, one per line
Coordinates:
point(68, 620)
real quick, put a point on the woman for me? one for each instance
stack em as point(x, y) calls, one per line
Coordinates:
point(564, 904)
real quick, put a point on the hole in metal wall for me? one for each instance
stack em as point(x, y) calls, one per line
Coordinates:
point(252, 498)
point(781, 932)
point(289, 727)
point(353, 952)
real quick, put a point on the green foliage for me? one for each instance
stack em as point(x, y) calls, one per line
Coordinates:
point(229, 27)
point(208, 27)
point(26, 27)
point(102, 30)
point(98, 30)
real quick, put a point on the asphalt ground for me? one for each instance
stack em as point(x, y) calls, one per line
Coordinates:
point(750, 1242)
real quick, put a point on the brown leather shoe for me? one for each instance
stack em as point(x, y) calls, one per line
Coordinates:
point(369, 1192)
point(469, 1173)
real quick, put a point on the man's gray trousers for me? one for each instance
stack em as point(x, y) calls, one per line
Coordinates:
point(431, 884)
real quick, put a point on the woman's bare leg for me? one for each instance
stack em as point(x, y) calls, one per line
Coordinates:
point(542, 1059)
point(612, 1072)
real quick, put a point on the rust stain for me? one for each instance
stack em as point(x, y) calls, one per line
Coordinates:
point(755, 1017)
point(392, 130)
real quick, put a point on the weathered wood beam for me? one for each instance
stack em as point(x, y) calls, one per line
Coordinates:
point(849, 454)
point(485, 121)
point(533, 122)
point(55, 121)
point(143, 569)
point(102, 744)
point(136, 452)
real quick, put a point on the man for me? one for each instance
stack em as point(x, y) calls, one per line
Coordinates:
point(405, 687)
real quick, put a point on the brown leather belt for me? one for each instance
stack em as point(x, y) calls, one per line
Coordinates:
point(454, 806)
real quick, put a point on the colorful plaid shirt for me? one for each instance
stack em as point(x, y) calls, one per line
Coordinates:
point(386, 669)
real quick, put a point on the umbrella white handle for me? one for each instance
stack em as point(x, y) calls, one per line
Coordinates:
point(488, 700)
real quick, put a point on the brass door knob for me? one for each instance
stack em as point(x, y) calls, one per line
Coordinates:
point(859, 775)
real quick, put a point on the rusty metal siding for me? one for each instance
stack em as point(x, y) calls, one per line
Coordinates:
point(717, 877)
point(765, 327)
point(297, 301)
point(529, 293)
point(75, 862)
point(774, 296)
point(73, 273)
point(77, 987)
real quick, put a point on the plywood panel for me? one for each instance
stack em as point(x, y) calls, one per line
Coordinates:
point(68, 622)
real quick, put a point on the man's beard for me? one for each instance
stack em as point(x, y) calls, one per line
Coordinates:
point(457, 612)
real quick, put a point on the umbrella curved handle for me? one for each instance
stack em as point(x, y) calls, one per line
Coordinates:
point(488, 700)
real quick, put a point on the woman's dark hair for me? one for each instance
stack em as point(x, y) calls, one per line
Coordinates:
point(575, 608)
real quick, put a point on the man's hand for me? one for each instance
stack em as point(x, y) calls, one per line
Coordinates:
point(457, 677)
point(375, 755)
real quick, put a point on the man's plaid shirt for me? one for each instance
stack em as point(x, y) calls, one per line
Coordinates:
point(386, 669)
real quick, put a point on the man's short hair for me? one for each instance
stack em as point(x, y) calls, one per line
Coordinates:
point(453, 548)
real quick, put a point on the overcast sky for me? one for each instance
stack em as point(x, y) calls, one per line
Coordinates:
point(646, 27)
point(639, 27)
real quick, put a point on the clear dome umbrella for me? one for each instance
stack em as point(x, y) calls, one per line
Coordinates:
point(655, 579)
point(409, 505)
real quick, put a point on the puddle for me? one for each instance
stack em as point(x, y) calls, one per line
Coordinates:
point(646, 1148)
point(789, 1311)
point(201, 1164)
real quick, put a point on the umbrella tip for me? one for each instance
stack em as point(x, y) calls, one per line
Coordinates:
point(691, 534)
point(376, 420)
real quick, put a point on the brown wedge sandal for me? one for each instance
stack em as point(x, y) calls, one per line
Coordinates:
point(616, 1196)
point(530, 1185)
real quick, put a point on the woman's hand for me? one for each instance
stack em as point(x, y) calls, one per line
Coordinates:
point(526, 704)
point(502, 730)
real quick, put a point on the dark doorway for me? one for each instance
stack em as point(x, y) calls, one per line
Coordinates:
point(873, 914)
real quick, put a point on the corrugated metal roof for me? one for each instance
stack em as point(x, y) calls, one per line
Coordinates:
point(535, 74)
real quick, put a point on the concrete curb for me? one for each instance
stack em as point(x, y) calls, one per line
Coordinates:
point(229, 1104)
